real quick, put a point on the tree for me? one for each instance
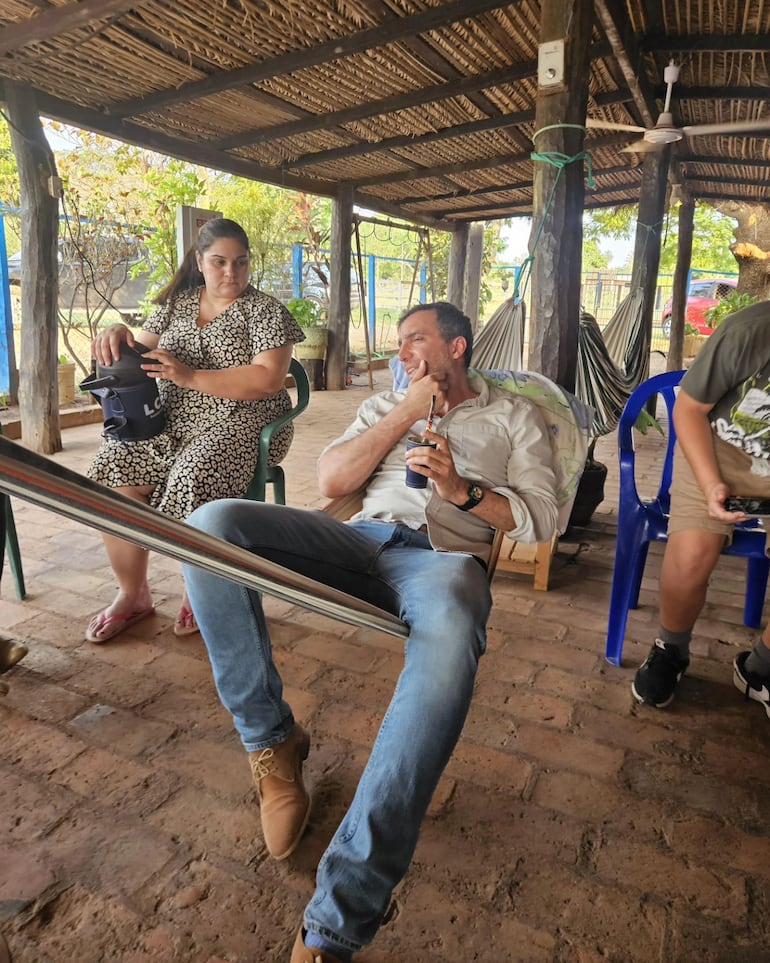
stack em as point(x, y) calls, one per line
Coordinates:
point(594, 258)
point(267, 214)
point(9, 187)
point(712, 235)
point(751, 248)
point(164, 185)
point(98, 253)
point(100, 245)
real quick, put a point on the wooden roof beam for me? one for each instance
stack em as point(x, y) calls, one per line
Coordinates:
point(390, 30)
point(617, 29)
point(444, 170)
point(56, 21)
point(373, 108)
point(393, 143)
point(497, 122)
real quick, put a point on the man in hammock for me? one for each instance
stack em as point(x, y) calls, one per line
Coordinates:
point(722, 421)
point(420, 554)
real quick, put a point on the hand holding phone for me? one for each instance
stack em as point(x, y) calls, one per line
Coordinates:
point(758, 507)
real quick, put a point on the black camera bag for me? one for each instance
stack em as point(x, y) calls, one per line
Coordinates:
point(130, 401)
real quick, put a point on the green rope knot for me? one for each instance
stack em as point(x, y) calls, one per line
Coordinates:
point(559, 161)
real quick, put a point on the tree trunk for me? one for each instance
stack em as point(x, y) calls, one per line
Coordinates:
point(38, 381)
point(752, 245)
point(681, 273)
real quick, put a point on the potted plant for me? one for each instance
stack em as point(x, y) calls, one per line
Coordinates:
point(66, 374)
point(309, 317)
point(693, 341)
point(590, 492)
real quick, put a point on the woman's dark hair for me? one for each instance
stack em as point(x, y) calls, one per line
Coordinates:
point(452, 323)
point(187, 274)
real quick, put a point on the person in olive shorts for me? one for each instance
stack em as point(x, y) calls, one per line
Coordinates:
point(722, 421)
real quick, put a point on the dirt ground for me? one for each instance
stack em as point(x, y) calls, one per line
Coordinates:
point(571, 826)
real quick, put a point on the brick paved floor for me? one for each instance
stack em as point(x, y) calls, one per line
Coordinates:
point(571, 825)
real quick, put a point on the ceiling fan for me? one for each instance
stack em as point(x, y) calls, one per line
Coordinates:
point(665, 130)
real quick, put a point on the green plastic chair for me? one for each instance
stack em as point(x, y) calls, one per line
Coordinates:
point(265, 473)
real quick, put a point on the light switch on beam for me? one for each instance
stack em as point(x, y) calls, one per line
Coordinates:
point(550, 64)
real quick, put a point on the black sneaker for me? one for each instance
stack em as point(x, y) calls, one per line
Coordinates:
point(752, 685)
point(657, 677)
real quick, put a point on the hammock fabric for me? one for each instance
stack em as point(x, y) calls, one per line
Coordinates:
point(609, 365)
point(500, 343)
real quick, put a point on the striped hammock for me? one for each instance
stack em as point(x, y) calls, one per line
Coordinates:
point(610, 364)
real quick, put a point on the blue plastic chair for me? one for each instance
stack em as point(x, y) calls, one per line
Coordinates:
point(265, 473)
point(640, 523)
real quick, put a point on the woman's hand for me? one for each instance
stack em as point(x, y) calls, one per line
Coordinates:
point(106, 345)
point(163, 364)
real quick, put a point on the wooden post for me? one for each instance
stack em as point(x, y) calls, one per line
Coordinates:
point(339, 289)
point(652, 202)
point(458, 250)
point(473, 273)
point(679, 293)
point(38, 381)
point(557, 228)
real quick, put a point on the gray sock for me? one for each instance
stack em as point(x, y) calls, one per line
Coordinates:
point(759, 659)
point(677, 640)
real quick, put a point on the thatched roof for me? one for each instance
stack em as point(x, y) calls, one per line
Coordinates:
point(426, 107)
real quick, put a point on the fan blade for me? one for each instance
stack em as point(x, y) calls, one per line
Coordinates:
point(728, 128)
point(641, 147)
point(613, 125)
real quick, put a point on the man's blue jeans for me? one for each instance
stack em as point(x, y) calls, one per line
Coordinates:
point(445, 600)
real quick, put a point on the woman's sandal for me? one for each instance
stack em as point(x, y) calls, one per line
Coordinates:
point(185, 623)
point(103, 627)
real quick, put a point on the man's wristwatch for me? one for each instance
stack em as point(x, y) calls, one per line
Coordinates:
point(475, 494)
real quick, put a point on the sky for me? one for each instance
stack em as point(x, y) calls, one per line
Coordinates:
point(517, 239)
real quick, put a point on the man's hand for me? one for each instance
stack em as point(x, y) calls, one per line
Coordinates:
point(715, 502)
point(438, 465)
point(423, 388)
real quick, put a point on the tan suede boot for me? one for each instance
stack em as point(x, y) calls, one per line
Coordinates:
point(306, 954)
point(284, 801)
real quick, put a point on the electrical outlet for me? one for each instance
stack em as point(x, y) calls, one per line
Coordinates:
point(550, 64)
point(55, 186)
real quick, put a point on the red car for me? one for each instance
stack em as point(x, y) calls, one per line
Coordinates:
point(704, 294)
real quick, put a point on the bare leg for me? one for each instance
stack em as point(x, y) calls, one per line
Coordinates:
point(688, 562)
point(129, 563)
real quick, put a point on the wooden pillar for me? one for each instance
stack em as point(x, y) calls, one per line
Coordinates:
point(458, 251)
point(339, 289)
point(38, 381)
point(679, 293)
point(557, 221)
point(652, 203)
point(473, 273)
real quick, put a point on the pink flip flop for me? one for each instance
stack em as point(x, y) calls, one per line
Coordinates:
point(103, 627)
point(185, 623)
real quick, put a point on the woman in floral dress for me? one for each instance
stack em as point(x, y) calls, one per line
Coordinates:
point(220, 351)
